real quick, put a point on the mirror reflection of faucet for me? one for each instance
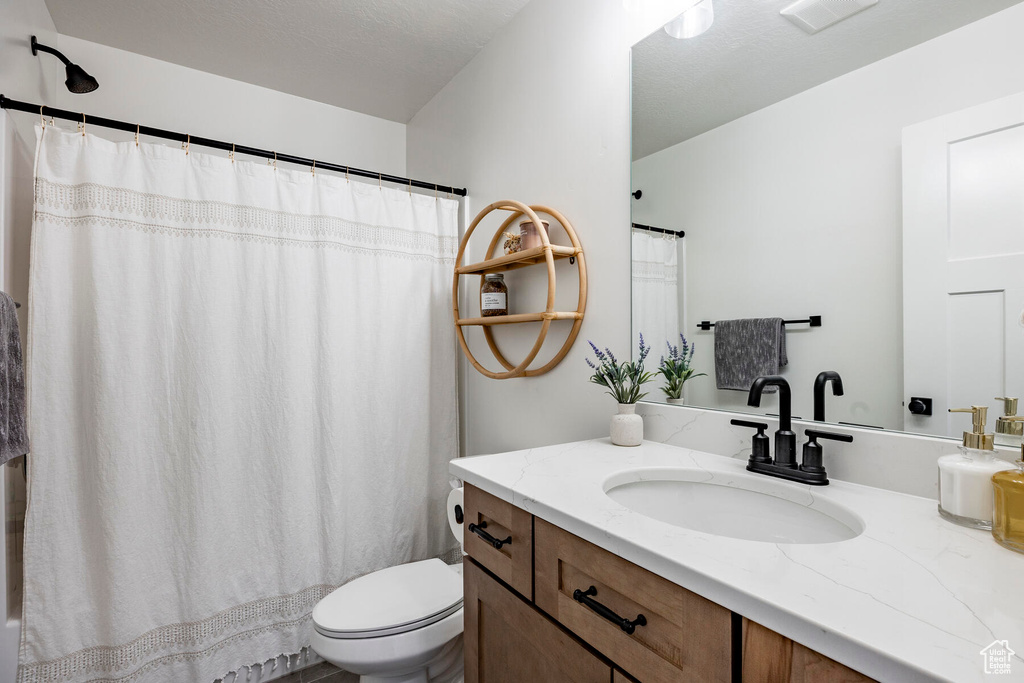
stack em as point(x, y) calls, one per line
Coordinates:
point(811, 469)
point(820, 381)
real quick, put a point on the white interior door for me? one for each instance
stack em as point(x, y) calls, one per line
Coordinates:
point(963, 262)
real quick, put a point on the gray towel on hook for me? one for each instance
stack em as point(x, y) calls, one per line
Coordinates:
point(747, 349)
point(13, 423)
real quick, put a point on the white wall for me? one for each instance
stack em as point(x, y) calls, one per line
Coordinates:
point(164, 95)
point(542, 115)
point(22, 75)
point(795, 210)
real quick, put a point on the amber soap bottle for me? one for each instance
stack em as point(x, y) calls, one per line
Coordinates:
point(1008, 506)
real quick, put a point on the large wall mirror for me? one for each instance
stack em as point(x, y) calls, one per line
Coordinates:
point(869, 176)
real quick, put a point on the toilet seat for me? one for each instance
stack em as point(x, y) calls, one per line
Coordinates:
point(390, 601)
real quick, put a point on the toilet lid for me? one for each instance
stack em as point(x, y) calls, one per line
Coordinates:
point(392, 600)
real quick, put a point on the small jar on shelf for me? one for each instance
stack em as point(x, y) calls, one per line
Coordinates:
point(529, 234)
point(493, 295)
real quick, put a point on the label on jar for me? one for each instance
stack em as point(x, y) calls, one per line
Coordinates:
point(492, 301)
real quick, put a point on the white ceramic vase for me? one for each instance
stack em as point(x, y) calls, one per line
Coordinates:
point(676, 401)
point(627, 427)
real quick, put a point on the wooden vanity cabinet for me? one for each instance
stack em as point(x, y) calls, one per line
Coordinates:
point(508, 641)
point(524, 623)
point(773, 658)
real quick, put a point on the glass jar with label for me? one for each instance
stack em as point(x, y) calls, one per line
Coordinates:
point(493, 295)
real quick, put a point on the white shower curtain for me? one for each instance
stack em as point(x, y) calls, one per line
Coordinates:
point(242, 394)
point(655, 291)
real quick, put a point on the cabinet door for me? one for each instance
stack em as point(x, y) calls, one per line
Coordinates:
point(508, 641)
point(769, 657)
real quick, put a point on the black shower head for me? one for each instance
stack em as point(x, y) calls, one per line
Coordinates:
point(78, 80)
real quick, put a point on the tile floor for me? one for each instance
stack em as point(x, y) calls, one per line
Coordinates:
point(319, 673)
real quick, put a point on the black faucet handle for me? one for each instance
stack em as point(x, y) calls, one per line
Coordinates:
point(759, 426)
point(812, 465)
point(813, 434)
point(760, 448)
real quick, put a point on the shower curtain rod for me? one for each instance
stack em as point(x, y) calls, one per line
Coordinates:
point(8, 103)
point(664, 231)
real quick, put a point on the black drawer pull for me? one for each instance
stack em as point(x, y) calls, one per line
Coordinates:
point(623, 623)
point(478, 529)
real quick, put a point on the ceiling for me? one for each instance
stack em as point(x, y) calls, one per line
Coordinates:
point(752, 57)
point(386, 58)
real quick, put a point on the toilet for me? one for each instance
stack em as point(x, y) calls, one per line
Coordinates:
point(397, 625)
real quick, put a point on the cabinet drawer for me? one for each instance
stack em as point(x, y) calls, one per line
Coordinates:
point(685, 637)
point(513, 561)
point(508, 641)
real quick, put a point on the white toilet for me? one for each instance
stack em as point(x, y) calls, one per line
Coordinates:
point(398, 625)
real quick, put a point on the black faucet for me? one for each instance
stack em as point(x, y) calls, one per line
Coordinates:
point(785, 439)
point(811, 470)
point(820, 381)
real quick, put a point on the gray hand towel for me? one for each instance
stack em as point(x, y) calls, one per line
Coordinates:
point(13, 423)
point(747, 349)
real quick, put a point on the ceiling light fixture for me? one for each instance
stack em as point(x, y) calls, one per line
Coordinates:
point(78, 80)
point(692, 22)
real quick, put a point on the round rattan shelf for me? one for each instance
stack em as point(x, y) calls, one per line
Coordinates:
point(547, 254)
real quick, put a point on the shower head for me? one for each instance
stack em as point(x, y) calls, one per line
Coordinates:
point(78, 81)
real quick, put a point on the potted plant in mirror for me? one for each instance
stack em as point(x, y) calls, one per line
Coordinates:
point(623, 381)
point(676, 369)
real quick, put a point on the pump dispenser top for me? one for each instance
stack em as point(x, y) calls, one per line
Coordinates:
point(1009, 427)
point(977, 438)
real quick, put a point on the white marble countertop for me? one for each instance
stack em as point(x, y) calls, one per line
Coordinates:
point(913, 598)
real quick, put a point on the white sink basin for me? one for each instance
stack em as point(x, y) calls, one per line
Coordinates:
point(751, 507)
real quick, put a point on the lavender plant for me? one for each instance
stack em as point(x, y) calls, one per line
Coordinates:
point(676, 368)
point(623, 380)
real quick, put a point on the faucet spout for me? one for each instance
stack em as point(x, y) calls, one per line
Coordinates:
point(785, 439)
point(820, 381)
point(785, 398)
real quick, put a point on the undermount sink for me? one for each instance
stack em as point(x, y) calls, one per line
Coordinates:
point(746, 506)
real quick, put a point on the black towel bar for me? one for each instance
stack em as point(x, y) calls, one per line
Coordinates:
point(813, 321)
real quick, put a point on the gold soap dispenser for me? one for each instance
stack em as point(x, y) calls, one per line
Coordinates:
point(1009, 427)
point(965, 478)
point(1008, 519)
